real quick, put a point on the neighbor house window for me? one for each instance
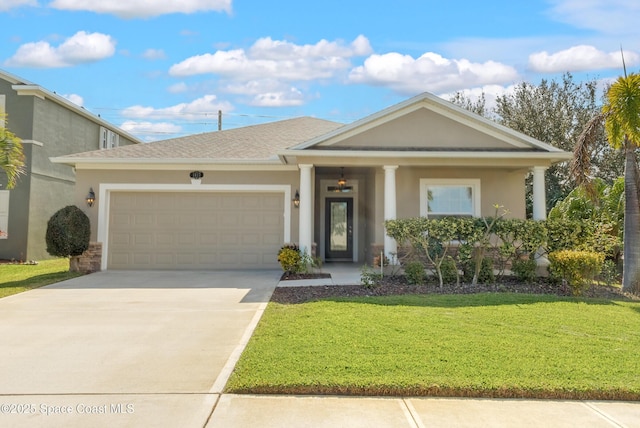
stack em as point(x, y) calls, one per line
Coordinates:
point(449, 197)
point(4, 214)
point(108, 138)
point(3, 110)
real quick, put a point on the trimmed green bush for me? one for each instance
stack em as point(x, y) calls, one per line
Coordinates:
point(577, 268)
point(449, 271)
point(524, 270)
point(485, 276)
point(68, 232)
point(414, 272)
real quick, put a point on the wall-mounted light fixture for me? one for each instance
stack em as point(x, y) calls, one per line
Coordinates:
point(91, 197)
point(296, 200)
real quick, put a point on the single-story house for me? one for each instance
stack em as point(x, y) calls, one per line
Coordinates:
point(230, 199)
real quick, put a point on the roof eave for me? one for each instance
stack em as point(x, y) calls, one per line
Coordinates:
point(77, 161)
point(42, 93)
point(553, 157)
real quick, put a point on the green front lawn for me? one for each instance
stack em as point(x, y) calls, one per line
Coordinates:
point(491, 345)
point(15, 278)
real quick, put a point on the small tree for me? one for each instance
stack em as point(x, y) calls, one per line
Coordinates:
point(68, 234)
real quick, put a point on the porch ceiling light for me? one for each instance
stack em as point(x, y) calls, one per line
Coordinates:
point(342, 181)
point(91, 197)
point(342, 184)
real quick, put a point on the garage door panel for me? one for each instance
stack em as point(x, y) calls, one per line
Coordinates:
point(141, 259)
point(271, 239)
point(142, 239)
point(200, 230)
point(164, 239)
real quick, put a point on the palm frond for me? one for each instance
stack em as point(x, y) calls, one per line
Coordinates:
point(11, 157)
point(580, 166)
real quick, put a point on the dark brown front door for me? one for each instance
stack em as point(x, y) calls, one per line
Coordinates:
point(339, 229)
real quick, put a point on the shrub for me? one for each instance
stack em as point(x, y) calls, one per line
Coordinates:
point(289, 258)
point(449, 271)
point(369, 277)
point(68, 232)
point(414, 272)
point(524, 270)
point(610, 273)
point(577, 268)
point(485, 276)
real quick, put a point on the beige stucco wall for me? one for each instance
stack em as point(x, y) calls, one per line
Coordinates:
point(502, 187)
point(409, 131)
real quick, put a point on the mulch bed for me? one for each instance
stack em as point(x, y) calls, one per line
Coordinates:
point(397, 285)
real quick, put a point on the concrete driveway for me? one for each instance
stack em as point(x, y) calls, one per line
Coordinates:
point(125, 348)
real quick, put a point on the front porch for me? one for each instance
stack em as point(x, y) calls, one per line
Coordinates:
point(342, 209)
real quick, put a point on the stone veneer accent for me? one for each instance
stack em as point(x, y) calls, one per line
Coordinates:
point(90, 260)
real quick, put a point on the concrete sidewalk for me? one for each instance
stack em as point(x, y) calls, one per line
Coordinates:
point(249, 411)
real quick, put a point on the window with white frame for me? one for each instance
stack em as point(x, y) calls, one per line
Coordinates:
point(449, 197)
point(4, 214)
point(108, 138)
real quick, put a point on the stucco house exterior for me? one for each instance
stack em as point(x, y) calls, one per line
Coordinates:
point(49, 126)
point(231, 199)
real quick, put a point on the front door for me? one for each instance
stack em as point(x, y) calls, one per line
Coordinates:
point(338, 229)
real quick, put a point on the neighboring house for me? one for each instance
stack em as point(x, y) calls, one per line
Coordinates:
point(326, 186)
point(48, 125)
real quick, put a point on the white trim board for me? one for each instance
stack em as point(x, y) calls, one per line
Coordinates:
point(105, 190)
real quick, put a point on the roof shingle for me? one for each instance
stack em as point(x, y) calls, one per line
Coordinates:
point(256, 142)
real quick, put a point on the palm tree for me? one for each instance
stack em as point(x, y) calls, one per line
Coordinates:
point(621, 117)
point(11, 156)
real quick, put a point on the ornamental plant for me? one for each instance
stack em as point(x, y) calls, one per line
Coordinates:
point(577, 268)
point(289, 258)
point(68, 234)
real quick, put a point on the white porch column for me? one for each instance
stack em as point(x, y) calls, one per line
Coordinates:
point(305, 236)
point(390, 245)
point(539, 196)
point(540, 213)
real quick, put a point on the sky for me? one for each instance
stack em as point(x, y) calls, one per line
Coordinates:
point(163, 69)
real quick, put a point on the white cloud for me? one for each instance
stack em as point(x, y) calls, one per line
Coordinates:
point(292, 97)
point(151, 131)
point(74, 98)
point(267, 93)
point(197, 109)
point(143, 8)
point(178, 88)
point(150, 127)
point(430, 72)
point(606, 16)
point(80, 48)
point(276, 59)
point(153, 54)
point(579, 58)
point(11, 4)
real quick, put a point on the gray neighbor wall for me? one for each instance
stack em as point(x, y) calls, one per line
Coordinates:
point(47, 129)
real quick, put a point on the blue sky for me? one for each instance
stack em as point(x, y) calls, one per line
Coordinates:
point(163, 69)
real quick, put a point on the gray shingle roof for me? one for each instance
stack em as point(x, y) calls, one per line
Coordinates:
point(256, 142)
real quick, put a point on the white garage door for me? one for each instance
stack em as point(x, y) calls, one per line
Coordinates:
point(195, 230)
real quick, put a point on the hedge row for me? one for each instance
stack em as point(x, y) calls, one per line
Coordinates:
point(509, 243)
